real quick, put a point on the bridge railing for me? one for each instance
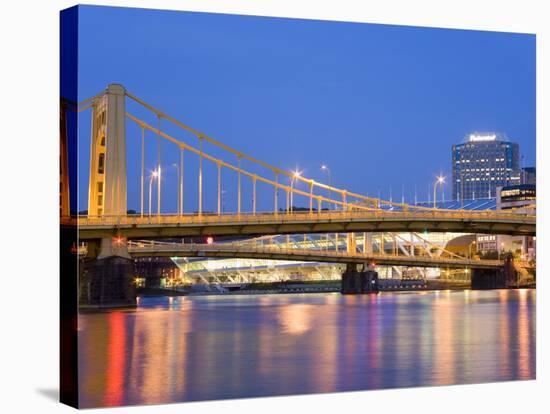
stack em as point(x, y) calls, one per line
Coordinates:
point(297, 217)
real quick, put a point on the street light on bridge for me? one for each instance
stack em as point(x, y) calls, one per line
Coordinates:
point(153, 175)
point(297, 174)
point(440, 180)
point(118, 240)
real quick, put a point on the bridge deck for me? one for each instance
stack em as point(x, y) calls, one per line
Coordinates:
point(136, 226)
point(231, 250)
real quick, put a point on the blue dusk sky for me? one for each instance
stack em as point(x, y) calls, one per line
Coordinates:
point(381, 105)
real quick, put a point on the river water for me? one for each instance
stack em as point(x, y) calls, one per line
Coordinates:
point(212, 347)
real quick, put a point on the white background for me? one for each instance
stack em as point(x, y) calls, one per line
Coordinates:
point(29, 69)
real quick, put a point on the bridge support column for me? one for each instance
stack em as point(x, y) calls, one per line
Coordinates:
point(509, 270)
point(488, 279)
point(495, 278)
point(108, 280)
point(355, 282)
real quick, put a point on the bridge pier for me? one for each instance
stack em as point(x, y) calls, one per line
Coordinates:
point(355, 282)
point(488, 279)
point(495, 278)
point(108, 279)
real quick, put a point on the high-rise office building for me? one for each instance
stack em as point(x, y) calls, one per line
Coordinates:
point(483, 163)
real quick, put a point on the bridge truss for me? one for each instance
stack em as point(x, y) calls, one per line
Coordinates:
point(311, 257)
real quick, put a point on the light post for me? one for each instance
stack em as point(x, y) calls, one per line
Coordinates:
point(294, 177)
point(440, 180)
point(153, 175)
point(325, 168)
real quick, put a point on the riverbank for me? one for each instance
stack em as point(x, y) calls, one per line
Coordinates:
point(299, 287)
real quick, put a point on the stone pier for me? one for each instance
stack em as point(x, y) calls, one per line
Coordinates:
point(108, 279)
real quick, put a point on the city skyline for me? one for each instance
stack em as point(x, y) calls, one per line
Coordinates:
point(289, 104)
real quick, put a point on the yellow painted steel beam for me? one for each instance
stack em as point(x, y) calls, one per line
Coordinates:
point(232, 250)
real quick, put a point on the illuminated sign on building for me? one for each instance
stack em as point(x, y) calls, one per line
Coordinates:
point(482, 137)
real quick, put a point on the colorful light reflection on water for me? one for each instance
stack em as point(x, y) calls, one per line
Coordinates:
point(202, 348)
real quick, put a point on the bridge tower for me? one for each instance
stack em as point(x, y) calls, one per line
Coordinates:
point(107, 275)
point(107, 186)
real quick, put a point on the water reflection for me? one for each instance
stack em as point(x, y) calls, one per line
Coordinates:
point(296, 319)
point(115, 360)
point(197, 348)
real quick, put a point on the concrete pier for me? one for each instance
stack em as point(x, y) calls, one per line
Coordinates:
point(355, 282)
point(488, 279)
point(495, 278)
point(108, 280)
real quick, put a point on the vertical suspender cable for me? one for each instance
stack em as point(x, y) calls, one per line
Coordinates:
point(200, 176)
point(158, 167)
point(311, 197)
point(239, 185)
point(142, 167)
point(276, 193)
point(287, 201)
point(181, 180)
point(254, 195)
point(219, 188)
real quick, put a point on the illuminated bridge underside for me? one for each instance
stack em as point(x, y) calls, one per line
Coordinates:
point(232, 250)
point(488, 222)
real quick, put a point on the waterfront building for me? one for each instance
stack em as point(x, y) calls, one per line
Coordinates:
point(483, 163)
point(154, 272)
point(496, 243)
point(522, 198)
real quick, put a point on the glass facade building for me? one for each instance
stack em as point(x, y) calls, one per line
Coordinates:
point(483, 163)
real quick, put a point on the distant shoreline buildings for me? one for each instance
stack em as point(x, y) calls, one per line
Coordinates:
point(487, 166)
